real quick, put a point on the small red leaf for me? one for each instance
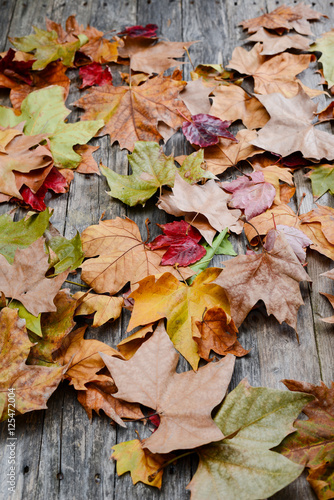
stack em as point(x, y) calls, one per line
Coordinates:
point(54, 181)
point(94, 74)
point(205, 130)
point(182, 240)
point(148, 31)
point(19, 70)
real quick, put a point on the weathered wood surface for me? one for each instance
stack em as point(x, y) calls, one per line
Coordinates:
point(60, 455)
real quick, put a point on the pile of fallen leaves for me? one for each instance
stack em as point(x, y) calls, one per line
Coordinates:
point(253, 446)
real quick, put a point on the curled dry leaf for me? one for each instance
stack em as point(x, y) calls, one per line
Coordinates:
point(275, 44)
point(103, 307)
point(122, 256)
point(182, 400)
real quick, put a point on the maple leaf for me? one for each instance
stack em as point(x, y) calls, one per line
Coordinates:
point(132, 114)
point(131, 344)
point(191, 200)
point(297, 240)
point(44, 111)
point(181, 304)
point(312, 444)
point(269, 276)
point(231, 102)
point(181, 399)
point(18, 70)
point(325, 44)
point(274, 74)
point(204, 130)
point(218, 335)
point(21, 234)
point(284, 18)
point(94, 74)
point(196, 97)
point(22, 154)
point(103, 307)
point(323, 215)
point(290, 128)
point(140, 462)
point(251, 193)
point(275, 44)
point(327, 113)
point(33, 385)
point(68, 253)
point(122, 256)
point(47, 48)
point(148, 31)
point(273, 174)
point(182, 241)
point(242, 466)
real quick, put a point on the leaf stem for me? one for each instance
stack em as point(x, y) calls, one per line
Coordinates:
point(187, 51)
point(78, 284)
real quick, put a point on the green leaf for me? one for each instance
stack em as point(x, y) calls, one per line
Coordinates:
point(47, 48)
point(69, 252)
point(8, 118)
point(44, 112)
point(220, 246)
point(33, 323)
point(325, 44)
point(21, 234)
point(151, 169)
point(322, 178)
point(241, 466)
point(191, 169)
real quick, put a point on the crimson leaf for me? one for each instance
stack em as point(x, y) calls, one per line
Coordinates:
point(94, 74)
point(205, 130)
point(148, 31)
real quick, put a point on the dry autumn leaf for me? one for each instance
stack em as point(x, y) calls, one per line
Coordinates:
point(87, 165)
point(182, 400)
point(103, 307)
point(329, 274)
point(275, 44)
point(269, 276)
point(323, 215)
point(132, 114)
point(196, 97)
point(122, 256)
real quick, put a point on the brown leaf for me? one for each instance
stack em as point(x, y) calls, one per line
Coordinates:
point(128, 346)
point(32, 385)
point(218, 335)
point(25, 280)
point(122, 257)
point(231, 102)
point(132, 114)
point(182, 399)
point(87, 165)
point(207, 200)
point(269, 276)
point(196, 97)
point(327, 113)
point(103, 307)
point(275, 44)
point(325, 216)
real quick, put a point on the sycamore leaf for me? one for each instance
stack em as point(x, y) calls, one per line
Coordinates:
point(242, 467)
point(218, 335)
point(68, 252)
point(208, 201)
point(322, 178)
point(274, 74)
point(269, 276)
point(104, 307)
point(21, 234)
point(140, 462)
point(204, 130)
point(325, 44)
point(275, 44)
point(122, 256)
point(47, 48)
point(181, 304)
point(312, 444)
point(231, 102)
point(33, 385)
point(251, 193)
point(132, 114)
point(290, 128)
point(25, 280)
point(151, 169)
point(94, 74)
point(182, 400)
point(182, 241)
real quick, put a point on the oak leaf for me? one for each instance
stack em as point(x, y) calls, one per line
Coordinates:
point(132, 114)
point(275, 44)
point(242, 466)
point(103, 307)
point(33, 385)
point(25, 279)
point(181, 399)
point(181, 304)
point(312, 444)
point(231, 102)
point(269, 276)
point(122, 256)
point(290, 128)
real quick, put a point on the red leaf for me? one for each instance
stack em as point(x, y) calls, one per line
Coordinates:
point(205, 130)
point(94, 74)
point(154, 419)
point(20, 70)
point(54, 181)
point(251, 193)
point(148, 31)
point(182, 240)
